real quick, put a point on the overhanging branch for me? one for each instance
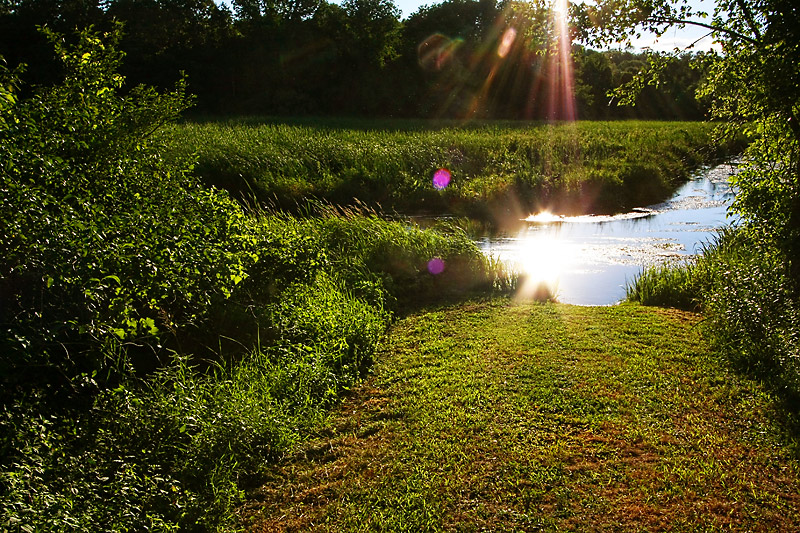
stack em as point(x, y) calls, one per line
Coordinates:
point(727, 31)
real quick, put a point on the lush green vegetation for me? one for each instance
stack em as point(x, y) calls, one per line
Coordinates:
point(510, 417)
point(498, 170)
point(747, 281)
point(355, 57)
point(159, 344)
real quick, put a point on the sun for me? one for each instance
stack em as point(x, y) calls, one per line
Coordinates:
point(560, 8)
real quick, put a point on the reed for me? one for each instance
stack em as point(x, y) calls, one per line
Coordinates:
point(667, 285)
point(498, 169)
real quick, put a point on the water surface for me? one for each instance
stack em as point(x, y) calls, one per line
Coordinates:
point(588, 260)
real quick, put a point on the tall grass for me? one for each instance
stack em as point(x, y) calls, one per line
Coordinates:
point(666, 285)
point(499, 170)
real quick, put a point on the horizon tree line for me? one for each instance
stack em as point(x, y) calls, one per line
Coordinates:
point(314, 57)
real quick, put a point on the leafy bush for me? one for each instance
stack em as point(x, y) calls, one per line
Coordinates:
point(749, 296)
point(159, 346)
point(106, 241)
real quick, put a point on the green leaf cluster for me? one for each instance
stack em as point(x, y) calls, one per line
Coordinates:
point(104, 238)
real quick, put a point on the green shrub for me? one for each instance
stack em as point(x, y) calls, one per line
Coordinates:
point(159, 346)
point(752, 307)
point(105, 240)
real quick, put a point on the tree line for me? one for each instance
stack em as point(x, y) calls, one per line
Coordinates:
point(456, 59)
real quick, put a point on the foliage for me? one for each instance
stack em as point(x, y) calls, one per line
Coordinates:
point(87, 255)
point(752, 84)
point(743, 285)
point(158, 344)
point(753, 311)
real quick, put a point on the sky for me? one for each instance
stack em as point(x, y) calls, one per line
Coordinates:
point(668, 42)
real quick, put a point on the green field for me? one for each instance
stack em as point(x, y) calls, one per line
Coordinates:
point(499, 170)
point(515, 417)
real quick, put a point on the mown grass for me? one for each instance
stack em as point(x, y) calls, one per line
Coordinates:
point(503, 417)
point(743, 284)
point(499, 170)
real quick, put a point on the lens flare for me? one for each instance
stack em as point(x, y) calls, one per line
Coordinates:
point(436, 266)
point(437, 51)
point(441, 178)
point(561, 7)
point(544, 257)
point(509, 36)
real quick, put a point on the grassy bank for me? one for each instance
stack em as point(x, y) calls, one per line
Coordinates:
point(743, 284)
point(544, 417)
point(498, 170)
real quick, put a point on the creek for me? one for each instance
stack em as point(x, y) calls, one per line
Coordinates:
point(588, 260)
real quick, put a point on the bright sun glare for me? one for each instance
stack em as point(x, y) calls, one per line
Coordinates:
point(560, 7)
point(543, 261)
point(545, 217)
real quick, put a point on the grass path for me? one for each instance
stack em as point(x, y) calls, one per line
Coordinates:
point(492, 416)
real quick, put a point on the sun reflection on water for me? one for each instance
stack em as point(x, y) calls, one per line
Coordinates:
point(588, 260)
point(542, 259)
point(545, 217)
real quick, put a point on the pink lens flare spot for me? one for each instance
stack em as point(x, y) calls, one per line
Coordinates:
point(436, 266)
point(441, 178)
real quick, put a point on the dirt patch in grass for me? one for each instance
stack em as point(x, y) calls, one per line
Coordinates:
point(349, 448)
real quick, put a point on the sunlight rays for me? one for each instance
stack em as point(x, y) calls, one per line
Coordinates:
point(562, 82)
point(521, 66)
point(525, 53)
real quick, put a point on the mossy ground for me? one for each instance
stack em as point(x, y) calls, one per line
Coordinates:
point(499, 416)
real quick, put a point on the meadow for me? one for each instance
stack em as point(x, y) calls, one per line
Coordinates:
point(163, 343)
point(497, 170)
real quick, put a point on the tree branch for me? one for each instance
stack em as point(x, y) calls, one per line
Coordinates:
point(667, 20)
point(748, 16)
